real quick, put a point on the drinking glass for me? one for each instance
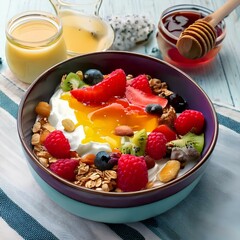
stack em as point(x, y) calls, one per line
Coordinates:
point(84, 30)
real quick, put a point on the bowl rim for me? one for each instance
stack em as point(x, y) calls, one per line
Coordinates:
point(118, 194)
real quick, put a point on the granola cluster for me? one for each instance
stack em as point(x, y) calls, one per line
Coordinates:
point(161, 89)
point(90, 177)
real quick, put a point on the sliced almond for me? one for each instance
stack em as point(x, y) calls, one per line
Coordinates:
point(36, 127)
point(169, 171)
point(35, 139)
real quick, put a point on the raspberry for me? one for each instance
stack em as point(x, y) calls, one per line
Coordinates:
point(156, 145)
point(132, 173)
point(189, 121)
point(65, 168)
point(57, 144)
point(140, 82)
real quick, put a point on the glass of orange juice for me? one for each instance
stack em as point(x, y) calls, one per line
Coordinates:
point(34, 42)
point(84, 30)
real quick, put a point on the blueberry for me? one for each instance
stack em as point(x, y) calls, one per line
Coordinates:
point(154, 109)
point(177, 102)
point(92, 76)
point(103, 161)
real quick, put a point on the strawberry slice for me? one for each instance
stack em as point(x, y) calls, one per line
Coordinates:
point(167, 131)
point(113, 85)
point(140, 98)
point(140, 82)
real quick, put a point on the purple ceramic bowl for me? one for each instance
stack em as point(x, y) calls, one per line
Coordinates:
point(43, 88)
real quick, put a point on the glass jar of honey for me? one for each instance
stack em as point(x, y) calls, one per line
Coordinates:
point(176, 19)
point(34, 43)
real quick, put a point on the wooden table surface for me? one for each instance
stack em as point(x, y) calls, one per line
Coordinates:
point(220, 80)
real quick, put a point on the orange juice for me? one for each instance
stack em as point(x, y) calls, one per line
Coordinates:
point(34, 43)
point(85, 33)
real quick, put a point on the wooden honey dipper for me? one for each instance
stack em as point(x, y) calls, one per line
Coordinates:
point(200, 37)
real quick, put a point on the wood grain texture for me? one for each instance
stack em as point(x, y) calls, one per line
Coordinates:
point(220, 80)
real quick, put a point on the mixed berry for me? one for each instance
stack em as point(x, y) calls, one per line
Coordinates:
point(167, 131)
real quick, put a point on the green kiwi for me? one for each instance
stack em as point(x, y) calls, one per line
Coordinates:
point(197, 141)
point(130, 148)
point(139, 140)
point(136, 150)
point(72, 81)
point(126, 148)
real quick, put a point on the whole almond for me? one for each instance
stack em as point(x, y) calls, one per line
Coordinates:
point(68, 125)
point(123, 130)
point(169, 171)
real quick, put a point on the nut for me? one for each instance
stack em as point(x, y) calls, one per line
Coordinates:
point(169, 171)
point(43, 109)
point(43, 161)
point(47, 126)
point(43, 154)
point(36, 127)
point(43, 136)
point(110, 174)
point(123, 130)
point(88, 158)
point(91, 177)
point(160, 88)
point(68, 125)
point(168, 117)
point(129, 77)
point(105, 187)
point(35, 139)
point(149, 185)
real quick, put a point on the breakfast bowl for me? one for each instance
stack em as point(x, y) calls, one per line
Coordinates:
point(116, 206)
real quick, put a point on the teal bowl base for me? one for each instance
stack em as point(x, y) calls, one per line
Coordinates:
point(113, 215)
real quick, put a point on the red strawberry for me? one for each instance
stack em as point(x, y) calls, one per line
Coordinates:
point(156, 145)
point(143, 99)
point(113, 85)
point(132, 174)
point(57, 144)
point(65, 168)
point(189, 121)
point(140, 82)
point(167, 131)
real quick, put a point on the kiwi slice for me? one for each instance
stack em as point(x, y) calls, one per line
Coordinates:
point(72, 81)
point(197, 141)
point(126, 148)
point(139, 140)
